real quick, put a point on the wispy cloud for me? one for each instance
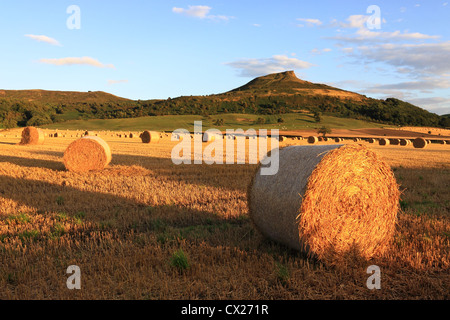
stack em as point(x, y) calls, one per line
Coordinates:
point(309, 22)
point(423, 59)
point(260, 67)
point(363, 34)
point(111, 82)
point(76, 61)
point(200, 12)
point(42, 38)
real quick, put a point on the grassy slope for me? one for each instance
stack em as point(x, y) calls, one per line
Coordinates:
point(292, 121)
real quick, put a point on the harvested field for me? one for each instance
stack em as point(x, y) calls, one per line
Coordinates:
point(122, 225)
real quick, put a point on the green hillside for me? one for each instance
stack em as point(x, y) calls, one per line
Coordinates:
point(290, 121)
point(271, 95)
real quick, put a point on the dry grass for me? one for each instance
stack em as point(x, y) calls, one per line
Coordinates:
point(122, 226)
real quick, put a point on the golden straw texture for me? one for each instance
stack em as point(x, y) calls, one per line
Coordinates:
point(87, 154)
point(327, 201)
point(32, 136)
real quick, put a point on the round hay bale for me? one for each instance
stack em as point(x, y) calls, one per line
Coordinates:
point(320, 139)
point(88, 133)
point(394, 142)
point(208, 137)
point(404, 142)
point(282, 138)
point(383, 142)
point(32, 136)
point(150, 137)
point(86, 154)
point(338, 140)
point(313, 139)
point(420, 143)
point(319, 204)
point(371, 140)
point(325, 139)
point(131, 135)
point(447, 141)
point(441, 141)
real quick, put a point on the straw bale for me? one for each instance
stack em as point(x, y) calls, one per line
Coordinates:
point(313, 139)
point(420, 143)
point(150, 137)
point(32, 136)
point(86, 154)
point(326, 201)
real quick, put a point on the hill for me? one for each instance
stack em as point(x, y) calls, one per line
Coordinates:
point(270, 95)
point(60, 97)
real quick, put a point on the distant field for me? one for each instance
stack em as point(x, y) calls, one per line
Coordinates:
point(292, 121)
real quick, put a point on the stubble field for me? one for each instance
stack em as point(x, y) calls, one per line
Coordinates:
point(145, 228)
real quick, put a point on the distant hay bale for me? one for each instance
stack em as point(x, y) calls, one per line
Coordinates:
point(313, 139)
point(86, 154)
point(325, 139)
point(447, 141)
point(131, 135)
point(383, 142)
point(32, 136)
point(338, 139)
point(208, 137)
point(441, 141)
point(320, 139)
point(404, 142)
point(150, 137)
point(282, 138)
point(319, 204)
point(88, 133)
point(420, 143)
point(356, 139)
point(371, 140)
point(394, 142)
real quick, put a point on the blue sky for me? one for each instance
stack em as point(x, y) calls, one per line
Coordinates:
point(158, 49)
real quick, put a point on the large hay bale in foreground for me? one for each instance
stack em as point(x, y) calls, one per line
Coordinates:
point(88, 153)
point(32, 136)
point(150, 137)
point(327, 201)
point(383, 142)
point(313, 139)
point(420, 143)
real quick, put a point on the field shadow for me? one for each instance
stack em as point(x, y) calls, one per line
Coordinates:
point(103, 211)
point(226, 176)
point(33, 163)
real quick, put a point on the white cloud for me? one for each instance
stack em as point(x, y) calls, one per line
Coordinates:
point(422, 59)
point(111, 82)
point(76, 61)
point(363, 34)
point(193, 11)
point(318, 51)
point(42, 38)
point(260, 67)
point(200, 12)
point(310, 22)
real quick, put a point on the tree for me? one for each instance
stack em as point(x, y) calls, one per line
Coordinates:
point(317, 117)
point(324, 131)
